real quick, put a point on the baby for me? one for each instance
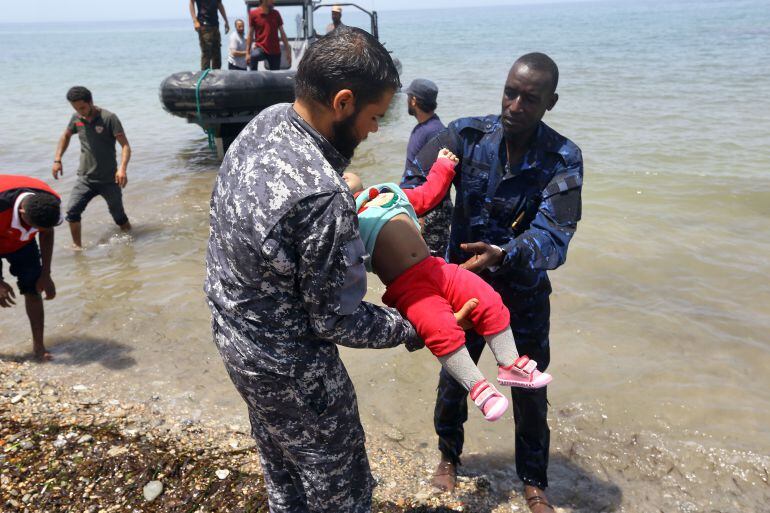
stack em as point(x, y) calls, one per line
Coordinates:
point(427, 290)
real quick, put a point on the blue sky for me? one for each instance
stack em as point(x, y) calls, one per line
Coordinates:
point(103, 10)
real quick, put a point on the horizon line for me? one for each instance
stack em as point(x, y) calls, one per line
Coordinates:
point(402, 9)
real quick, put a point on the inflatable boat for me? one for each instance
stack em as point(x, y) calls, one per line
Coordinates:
point(223, 101)
point(224, 92)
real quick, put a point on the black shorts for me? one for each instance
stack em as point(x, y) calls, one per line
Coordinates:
point(26, 266)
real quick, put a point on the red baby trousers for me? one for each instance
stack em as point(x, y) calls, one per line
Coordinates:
point(429, 293)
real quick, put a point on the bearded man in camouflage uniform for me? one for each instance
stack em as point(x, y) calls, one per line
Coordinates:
point(286, 278)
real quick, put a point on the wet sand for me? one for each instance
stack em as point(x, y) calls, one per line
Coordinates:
point(147, 436)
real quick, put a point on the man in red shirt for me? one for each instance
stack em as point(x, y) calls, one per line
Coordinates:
point(28, 207)
point(265, 24)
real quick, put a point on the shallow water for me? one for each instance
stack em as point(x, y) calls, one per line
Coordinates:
point(660, 317)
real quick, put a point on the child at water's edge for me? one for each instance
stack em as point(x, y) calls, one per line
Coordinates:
point(427, 290)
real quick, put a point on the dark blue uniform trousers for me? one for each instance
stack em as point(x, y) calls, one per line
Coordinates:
point(530, 322)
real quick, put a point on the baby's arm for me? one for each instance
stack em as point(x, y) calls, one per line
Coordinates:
point(428, 195)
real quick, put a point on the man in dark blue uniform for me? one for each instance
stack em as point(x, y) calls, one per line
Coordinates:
point(421, 103)
point(518, 202)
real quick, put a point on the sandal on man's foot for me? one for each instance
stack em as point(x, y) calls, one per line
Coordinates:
point(536, 500)
point(491, 402)
point(522, 373)
point(445, 476)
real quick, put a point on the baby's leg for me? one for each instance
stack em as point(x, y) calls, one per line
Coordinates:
point(432, 316)
point(460, 366)
point(503, 346)
point(491, 318)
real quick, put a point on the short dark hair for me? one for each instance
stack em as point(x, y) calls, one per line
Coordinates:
point(424, 105)
point(541, 62)
point(42, 209)
point(79, 93)
point(346, 58)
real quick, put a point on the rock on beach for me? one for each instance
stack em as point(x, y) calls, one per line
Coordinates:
point(152, 490)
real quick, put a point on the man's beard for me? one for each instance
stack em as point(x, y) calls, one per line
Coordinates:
point(410, 110)
point(343, 136)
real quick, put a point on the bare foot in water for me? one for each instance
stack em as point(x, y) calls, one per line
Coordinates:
point(75, 247)
point(42, 355)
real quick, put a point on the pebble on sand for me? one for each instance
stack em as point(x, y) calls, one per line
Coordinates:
point(152, 490)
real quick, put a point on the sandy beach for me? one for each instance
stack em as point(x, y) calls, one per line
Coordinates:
point(78, 447)
point(67, 444)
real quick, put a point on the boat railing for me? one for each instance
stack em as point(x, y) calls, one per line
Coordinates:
point(309, 7)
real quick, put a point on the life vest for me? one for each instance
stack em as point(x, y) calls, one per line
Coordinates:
point(13, 239)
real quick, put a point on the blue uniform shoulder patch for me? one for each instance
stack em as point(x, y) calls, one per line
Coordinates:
point(484, 124)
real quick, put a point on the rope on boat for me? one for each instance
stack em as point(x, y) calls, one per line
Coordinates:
point(209, 131)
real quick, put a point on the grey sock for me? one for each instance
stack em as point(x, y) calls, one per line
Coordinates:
point(503, 347)
point(460, 366)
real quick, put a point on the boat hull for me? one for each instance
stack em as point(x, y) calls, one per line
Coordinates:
point(225, 93)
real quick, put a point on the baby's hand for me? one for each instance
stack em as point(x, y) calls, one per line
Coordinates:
point(353, 181)
point(446, 154)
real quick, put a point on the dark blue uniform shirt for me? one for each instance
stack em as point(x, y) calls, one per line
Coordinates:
point(421, 134)
point(542, 192)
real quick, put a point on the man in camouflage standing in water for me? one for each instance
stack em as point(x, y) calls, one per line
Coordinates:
point(286, 279)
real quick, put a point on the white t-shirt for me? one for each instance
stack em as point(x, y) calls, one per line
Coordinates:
point(238, 44)
point(331, 27)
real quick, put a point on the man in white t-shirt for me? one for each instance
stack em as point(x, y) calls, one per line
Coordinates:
point(336, 19)
point(236, 57)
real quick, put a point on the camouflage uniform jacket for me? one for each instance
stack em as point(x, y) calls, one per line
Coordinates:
point(285, 262)
point(543, 193)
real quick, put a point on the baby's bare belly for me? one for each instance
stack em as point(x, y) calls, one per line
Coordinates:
point(398, 247)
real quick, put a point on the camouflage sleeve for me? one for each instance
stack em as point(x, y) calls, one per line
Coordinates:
point(417, 171)
point(543, 245)
point(332, 277)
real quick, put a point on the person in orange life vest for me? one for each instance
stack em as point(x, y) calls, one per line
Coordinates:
point(28, 207)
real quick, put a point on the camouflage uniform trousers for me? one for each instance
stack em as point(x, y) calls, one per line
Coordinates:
point(211, 42)
point(435, 227)
point(308, 433)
